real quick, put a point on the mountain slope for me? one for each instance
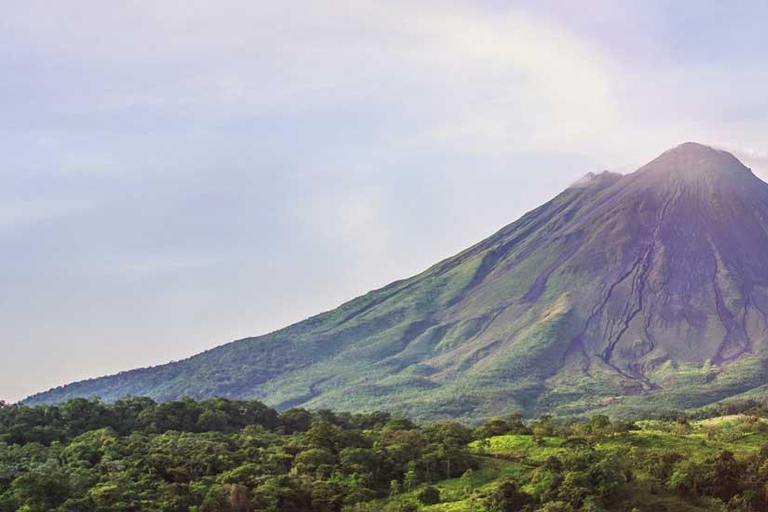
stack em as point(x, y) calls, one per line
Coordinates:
point(622, 293)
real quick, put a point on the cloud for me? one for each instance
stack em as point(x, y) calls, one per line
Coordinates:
point(481, 80)
point(755, 159)
point(20, 213)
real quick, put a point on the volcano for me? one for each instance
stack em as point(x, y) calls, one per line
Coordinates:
point(623, 294)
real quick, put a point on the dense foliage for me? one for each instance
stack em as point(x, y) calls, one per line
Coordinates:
point(215, 455)
point(239, 456)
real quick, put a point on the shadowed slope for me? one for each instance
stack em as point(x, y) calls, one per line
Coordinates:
point(623, 292)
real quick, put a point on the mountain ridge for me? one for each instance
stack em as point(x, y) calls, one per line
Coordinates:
point(648, 286)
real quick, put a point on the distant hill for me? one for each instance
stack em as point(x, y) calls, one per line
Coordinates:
point(622, 294)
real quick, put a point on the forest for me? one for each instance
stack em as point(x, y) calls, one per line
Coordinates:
point(241, 456)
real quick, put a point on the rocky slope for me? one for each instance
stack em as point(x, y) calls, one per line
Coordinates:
point(621, 294)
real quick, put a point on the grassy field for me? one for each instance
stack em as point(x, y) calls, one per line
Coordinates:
point(518, 457)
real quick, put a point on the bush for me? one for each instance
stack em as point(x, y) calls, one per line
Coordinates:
point(508, 497)
point(429, 495)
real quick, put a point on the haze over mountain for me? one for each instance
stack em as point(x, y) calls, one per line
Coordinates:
point(621, 294)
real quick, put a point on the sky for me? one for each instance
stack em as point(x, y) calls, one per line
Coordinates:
point(179, 174)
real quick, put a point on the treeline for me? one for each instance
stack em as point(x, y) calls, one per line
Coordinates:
point(215, 455)
point(749, 407)
point(46, 424)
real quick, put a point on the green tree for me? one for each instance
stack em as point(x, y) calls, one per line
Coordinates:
point(313, 461)
point(429, 495)
point(42, 490)
point(508, 497)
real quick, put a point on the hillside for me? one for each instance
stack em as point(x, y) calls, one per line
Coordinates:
point(622, 294)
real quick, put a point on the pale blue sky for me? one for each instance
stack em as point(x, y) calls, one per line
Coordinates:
point(178, 174)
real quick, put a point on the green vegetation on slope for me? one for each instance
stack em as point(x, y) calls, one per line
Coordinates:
point(237, 456)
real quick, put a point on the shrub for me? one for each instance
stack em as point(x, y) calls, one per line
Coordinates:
point(429, 495)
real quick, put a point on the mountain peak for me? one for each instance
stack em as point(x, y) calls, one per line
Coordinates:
point(695, 161)
point(693, 148)
point(695, 153)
